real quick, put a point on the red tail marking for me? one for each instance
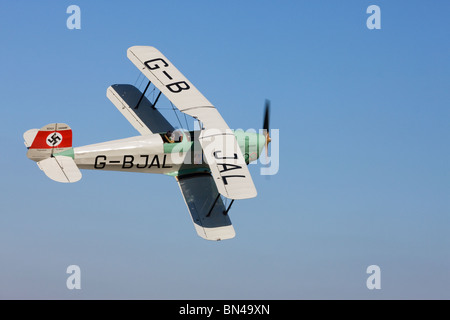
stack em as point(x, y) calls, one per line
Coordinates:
point(48, 139)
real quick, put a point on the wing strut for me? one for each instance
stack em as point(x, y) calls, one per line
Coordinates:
point(143, 94)
point(226, 211)
point(154, 103)
point(214, 204)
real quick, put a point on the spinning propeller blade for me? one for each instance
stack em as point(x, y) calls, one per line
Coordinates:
point(266, 125)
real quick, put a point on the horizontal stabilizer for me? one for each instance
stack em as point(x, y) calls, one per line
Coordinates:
point(206, 208)
point(60, 169)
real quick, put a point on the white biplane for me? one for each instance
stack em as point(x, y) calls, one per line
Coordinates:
point(207, 163)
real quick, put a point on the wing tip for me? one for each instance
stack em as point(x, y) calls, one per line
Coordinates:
point(137, 48)
point(229, 234)
point(215, 233)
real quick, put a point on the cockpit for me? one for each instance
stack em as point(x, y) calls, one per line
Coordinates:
point(176, 136)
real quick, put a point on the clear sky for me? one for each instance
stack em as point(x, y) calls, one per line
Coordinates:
point(363, 117)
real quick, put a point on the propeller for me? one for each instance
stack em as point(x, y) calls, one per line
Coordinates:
point(266, 125)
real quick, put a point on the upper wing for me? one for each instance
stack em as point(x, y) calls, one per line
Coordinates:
point(179, 90)
point(145, 118)
point(206, 209)
point(222, 150)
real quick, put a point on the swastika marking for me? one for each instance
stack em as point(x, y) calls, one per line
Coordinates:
point(54, 139)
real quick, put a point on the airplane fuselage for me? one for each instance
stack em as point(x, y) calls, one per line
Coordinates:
point(152, 154)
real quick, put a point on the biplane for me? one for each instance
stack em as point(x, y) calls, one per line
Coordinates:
point(208, 163)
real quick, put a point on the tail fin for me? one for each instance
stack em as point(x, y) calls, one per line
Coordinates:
point(49, 140)
point(51, 148)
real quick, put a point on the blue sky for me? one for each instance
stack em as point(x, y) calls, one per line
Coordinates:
point(364, 157)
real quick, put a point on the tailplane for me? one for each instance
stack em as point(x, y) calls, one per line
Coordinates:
point(51, 148)
point(60, 169)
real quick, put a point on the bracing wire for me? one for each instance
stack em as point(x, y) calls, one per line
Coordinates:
point(150, 92)
point(139, 76)
point(173, 108)
point(140, 84)
point(187, 125)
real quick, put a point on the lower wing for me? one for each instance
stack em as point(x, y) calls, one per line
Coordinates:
point(206, 207)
